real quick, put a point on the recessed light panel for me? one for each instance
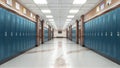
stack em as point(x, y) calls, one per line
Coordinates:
point(79, 1)
point(40, 1)
point(70, 16)
point(49, 16)
point(51, 19)
point(46, 11)
point(74, 11)
point(68, 20)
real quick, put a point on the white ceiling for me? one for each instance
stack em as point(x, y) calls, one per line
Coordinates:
point(60, 9)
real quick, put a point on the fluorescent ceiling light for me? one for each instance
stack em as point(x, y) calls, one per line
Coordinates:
point(79, 1)
point(74, 11)
point(51, 19)
point(46, 11)
point(49, 16)
point(70, 16)
point(68, 20)
point(40, 1)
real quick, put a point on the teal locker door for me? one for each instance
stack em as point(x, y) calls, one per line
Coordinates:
point(27, 39)
point(30, 34)
point(88, 38)
point(29, 45)
point(15, 34)
point(109, 21)
point(90, 35)
point(13, 29)
point(21, 34)
point(31, 42)
point(113, 33)
point(86, 30)
point(20, 30)
point(103, 32)
point(118, 34)
point(2, 31)
point(86, 35)
point(95, 38)
point(7, 33)
point(18, 34)
point(93, 31)
point(98, 33)
point(102, 23)
point(24, 34)
point(107, 33)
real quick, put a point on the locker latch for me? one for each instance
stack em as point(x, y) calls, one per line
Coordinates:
point(5, 34)
point(118, 34)
point(111, 33)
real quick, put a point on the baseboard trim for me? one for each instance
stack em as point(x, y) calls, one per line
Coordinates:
point(8, 59)
point(110, 58)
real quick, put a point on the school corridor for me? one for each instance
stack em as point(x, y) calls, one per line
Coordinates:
point(59, 33)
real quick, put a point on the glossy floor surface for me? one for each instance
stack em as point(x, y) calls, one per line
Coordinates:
point(60, 53)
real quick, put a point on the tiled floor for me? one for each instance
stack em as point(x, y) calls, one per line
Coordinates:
point(60, 53)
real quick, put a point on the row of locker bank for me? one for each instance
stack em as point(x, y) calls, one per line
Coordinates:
point(102, 34)
point(17, 35)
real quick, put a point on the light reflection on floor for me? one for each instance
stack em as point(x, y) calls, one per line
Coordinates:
point(60, 53)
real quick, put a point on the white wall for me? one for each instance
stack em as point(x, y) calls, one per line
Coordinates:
point(63, 34)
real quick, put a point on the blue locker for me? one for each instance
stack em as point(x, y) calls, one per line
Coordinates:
point(45, 34)
point(7, 32)
point(20, 34)
point(103, 34)
point(2, 16)
point(112, 24)
point(118, 34)
point(13, 26)
point(15, 34)
point(23, 34)
point(74, 34)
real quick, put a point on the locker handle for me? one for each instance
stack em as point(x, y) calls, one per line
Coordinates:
point(16, 34)
point(111, 34)
point(5, 34)
point(20, 34)
point(106, 34)
point(23, 34)
point(118, 34)
point(101, 34)
point(11, 33)
point(98, 34)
